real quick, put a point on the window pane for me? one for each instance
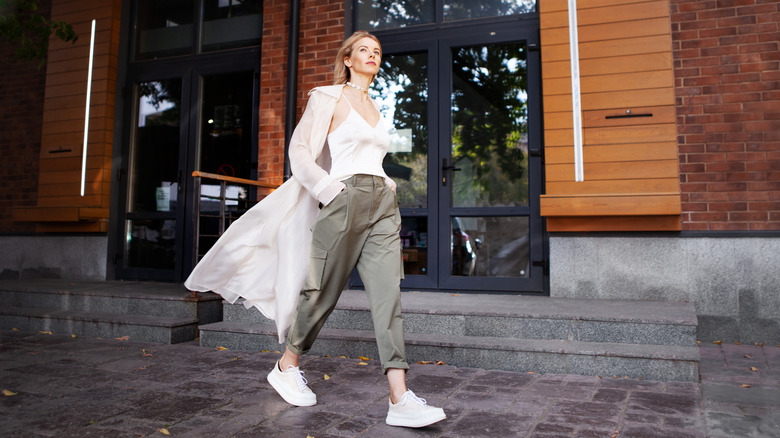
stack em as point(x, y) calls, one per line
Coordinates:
point(414, 240)
point(391, 14)
point(232, 23)
point(465, 9)
point(150, 244)
point(490, 246)
point(162, 28)
point(402, 86)
point(489, 126)
point(155, 148)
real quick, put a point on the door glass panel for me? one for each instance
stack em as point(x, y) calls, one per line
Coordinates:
point(162, 28)
point(387, 14)
point(225, 149)
point(150, 243)
point(231, 23)
point(402, 86)
point(465, 9)
point(154, 188)
point(490, 246)
point(154, 161)
point(489, 126)
point(414, 240)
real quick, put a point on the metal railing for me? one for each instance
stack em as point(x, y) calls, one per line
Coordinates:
point(233, 198)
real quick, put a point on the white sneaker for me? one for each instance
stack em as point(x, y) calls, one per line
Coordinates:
point(291, 385)
point(413, 411)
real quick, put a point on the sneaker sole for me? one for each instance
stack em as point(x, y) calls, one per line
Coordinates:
point(295, 401)
point(420, 423)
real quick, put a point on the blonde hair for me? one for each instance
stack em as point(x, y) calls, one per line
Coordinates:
point(340, 71)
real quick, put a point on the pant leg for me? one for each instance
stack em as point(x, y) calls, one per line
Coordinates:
point(380, 267)
point(335, 249)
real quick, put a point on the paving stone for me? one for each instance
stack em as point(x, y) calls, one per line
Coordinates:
point(89, 387)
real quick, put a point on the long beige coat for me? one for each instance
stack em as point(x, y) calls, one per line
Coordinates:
point(263, 256)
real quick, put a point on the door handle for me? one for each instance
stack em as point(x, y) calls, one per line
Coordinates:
point(445, 168)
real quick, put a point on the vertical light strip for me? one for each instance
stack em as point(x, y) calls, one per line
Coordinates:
point(574, 52)
point(86, 111)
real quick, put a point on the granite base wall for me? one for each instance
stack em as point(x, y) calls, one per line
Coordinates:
point(56, 256)
point(733, 281)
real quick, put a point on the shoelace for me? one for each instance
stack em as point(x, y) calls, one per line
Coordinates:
point(299, 378)
point(409, 395)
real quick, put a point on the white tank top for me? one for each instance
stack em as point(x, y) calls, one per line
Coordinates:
point(356, 147)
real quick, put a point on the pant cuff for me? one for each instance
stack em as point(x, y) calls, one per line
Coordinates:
point(395, 364)
point(295, 349)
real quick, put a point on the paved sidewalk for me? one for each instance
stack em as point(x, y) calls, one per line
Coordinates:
point(79, 387)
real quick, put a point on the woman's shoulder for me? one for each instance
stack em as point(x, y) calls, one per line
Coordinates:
point(333, 91)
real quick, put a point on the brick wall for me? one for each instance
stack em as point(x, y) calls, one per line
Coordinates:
point(21, 93)
point(727, 73)
point(321, 34)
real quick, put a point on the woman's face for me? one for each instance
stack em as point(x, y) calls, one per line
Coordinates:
point(366, 57)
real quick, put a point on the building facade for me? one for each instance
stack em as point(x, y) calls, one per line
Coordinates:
point(654, 174)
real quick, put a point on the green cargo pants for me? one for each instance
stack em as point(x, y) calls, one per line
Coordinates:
point(359, 228)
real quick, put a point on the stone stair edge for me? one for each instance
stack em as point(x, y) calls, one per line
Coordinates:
point(104, 317)
point(551, 346)
point(689, 319)
point(116, 293)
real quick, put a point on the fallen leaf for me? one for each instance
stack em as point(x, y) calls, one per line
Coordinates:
point(744, 386)
point(277, 352)
point(44, 333)
point(342, 357)
point(614, 435)
point(738, 343)
point(265, 351)
point(362, 363)
point(234, 359)
point(425, 362)
point(747, 356)
point(147, 354)
point(16, 330)
point(440, 362)
point(142, 368)
point(9, 393)
point(164, 431)
point(698, 341)
point(455, 295)
point(531, 372)
point(754, 369)
point(326, 377)
point(363, 358)
point(73, 336)
point(718, 342)
point(760, 344)
point(123, 338)
point(221, 348)
point(309, 436)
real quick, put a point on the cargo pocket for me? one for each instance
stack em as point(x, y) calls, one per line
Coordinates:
point(317, 260)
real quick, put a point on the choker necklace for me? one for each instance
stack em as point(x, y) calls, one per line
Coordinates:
point(358, 87)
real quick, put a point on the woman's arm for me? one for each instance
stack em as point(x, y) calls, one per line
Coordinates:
point(304, 168)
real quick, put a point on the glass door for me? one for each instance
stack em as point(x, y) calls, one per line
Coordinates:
point(464, 107)
point(489, 226)
point(202, 120)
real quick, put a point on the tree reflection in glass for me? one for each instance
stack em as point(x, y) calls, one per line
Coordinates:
point(489, 126)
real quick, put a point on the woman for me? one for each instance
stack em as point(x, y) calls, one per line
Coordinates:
point(336, 157)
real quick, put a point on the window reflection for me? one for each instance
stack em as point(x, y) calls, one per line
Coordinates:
point(150, 244)
point(489, 126)
point(155, 152)
point(390, 14)
point(231, 23)
point(490, 246)
point(465, 9)
point(162, 28)
point(402, 86)
point(414, 241)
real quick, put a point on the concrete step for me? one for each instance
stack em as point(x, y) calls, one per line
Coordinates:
point(169, 330)
point(126, 297)
point(515, 316)
point(144, 311)
point(650, 362)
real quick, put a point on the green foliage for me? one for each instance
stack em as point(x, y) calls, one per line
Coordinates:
point(23, 25)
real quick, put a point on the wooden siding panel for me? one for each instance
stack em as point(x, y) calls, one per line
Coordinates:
point(630, 163)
